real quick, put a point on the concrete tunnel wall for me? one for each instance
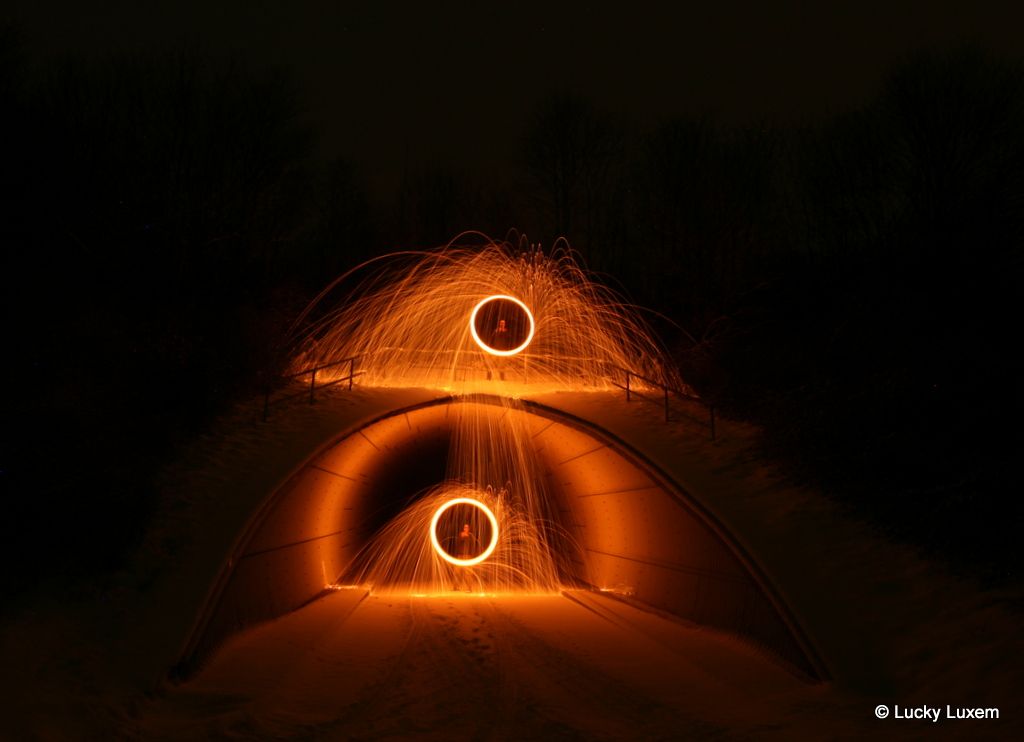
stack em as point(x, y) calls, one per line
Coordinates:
point(638, 531)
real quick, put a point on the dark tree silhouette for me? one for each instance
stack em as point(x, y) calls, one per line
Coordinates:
point(570, 152)
point(159, 208)
point(430, 205)
point(702, 211)
point(878, 355)
point(341, 226)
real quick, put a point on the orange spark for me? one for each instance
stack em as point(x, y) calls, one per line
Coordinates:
point(443, 553)
point(411, 318)
point(488, 348)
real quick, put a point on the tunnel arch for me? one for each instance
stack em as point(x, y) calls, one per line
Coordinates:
point(641, 533)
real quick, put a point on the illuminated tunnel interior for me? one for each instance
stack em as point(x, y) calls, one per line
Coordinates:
point(639, 534)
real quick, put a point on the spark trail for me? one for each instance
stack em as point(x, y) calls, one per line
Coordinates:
point(408, 318)
point(493, 318)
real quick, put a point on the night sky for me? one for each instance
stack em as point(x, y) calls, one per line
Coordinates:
point(395, 84)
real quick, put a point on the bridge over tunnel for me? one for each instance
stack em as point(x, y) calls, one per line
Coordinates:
point(639, 533)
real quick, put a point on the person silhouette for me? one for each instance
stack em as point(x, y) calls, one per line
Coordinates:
point(501, 339)
point(464, 551)
point(466, 540)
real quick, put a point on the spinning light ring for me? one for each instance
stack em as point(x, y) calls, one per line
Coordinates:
point(444, 554)
point(485, 346)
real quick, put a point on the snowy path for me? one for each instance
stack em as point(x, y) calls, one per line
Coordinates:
point(578, 666)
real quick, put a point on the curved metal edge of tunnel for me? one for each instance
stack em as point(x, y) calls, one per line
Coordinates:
point(689, 564)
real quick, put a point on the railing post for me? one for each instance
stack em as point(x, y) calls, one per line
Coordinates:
point(711, 409)
point(312, 384)
point(351, 371)
point(627, 384)
point(666, 402)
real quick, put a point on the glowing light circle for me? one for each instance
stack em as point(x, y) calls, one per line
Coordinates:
point(485, 346)
point(444, 554)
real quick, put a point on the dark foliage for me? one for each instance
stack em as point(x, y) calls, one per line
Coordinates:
point(851, 286)
point(159, 232)
point(877, 347)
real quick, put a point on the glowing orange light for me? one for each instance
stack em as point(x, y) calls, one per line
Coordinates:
point(485, 346)
point(404, 319)
point(444, 554)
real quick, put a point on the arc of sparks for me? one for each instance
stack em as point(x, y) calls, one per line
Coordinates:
point(444, 554)
point(485, 346)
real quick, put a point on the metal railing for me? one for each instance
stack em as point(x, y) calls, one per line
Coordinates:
point(312, 372)
point(631, 392)
point(630, 388)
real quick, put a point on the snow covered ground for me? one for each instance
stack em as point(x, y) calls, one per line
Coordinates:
point(577, 666)
point(892, 627)
point(887, 622)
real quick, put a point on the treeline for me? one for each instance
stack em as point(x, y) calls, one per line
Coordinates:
point(850, 285)
point(161, 221)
